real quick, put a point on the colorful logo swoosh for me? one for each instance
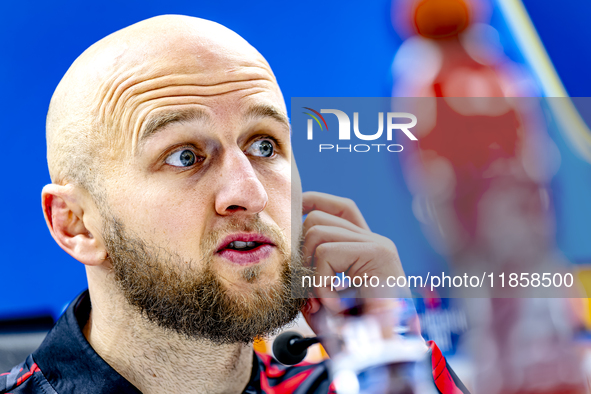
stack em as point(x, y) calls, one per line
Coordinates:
point(316, 119)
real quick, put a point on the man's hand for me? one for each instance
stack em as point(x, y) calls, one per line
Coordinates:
point(338, 240)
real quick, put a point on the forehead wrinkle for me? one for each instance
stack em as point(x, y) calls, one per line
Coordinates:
point(111, 88)
point(178, 90)
point(139, 108)
point(187, 81)
point(128, 114)
point(126, 83)
point(131, 111)
point(175, 86)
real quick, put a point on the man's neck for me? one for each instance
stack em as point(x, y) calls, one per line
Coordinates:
point(157, 361)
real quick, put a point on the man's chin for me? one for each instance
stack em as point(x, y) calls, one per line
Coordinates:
point(221, 311)
point(267, 272)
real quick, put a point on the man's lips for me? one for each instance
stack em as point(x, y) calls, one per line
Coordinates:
point(245, 248)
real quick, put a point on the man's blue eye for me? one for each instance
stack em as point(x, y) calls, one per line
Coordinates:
point(182, 158)
point(261, 148)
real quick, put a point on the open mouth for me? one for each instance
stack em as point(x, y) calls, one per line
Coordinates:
point(245, 248)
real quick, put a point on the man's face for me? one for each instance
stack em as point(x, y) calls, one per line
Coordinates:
point(202, 181)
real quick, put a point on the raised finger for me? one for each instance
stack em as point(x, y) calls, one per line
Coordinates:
point(337, 206)
point(319, 235)
point(316, 218)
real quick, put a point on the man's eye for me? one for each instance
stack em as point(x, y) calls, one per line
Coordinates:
point(261, 148)
point(182, 158)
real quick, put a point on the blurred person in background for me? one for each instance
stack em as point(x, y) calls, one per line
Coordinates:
point(480, 179)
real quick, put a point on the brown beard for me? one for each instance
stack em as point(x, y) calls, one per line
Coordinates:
point(195, 303)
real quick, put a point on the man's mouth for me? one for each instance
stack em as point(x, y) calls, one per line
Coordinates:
point(245, 248)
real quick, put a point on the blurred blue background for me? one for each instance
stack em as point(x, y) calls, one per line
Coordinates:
point(329, 48)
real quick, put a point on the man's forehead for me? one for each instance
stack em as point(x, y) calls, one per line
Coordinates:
point(149, 50)
point(171, 60)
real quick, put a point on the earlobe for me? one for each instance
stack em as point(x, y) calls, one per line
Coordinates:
point(312, 307)
point(65, 215)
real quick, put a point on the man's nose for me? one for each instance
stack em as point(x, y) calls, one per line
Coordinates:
point(240, 189)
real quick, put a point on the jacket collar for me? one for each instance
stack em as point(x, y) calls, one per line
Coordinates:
point(70, 364)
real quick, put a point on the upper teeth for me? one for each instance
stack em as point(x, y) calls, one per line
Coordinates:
point(241, 244)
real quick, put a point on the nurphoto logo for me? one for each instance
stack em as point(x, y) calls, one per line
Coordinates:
point(394, 121)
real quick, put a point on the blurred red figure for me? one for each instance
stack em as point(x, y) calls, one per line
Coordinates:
point(479, 176)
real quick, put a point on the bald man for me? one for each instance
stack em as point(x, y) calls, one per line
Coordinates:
point(168, 146)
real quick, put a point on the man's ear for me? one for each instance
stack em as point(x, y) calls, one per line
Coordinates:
point(67, 209)
point(312, 306)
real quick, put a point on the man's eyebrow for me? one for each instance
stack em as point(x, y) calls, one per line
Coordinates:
point(160, 120)
point(267, 111)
